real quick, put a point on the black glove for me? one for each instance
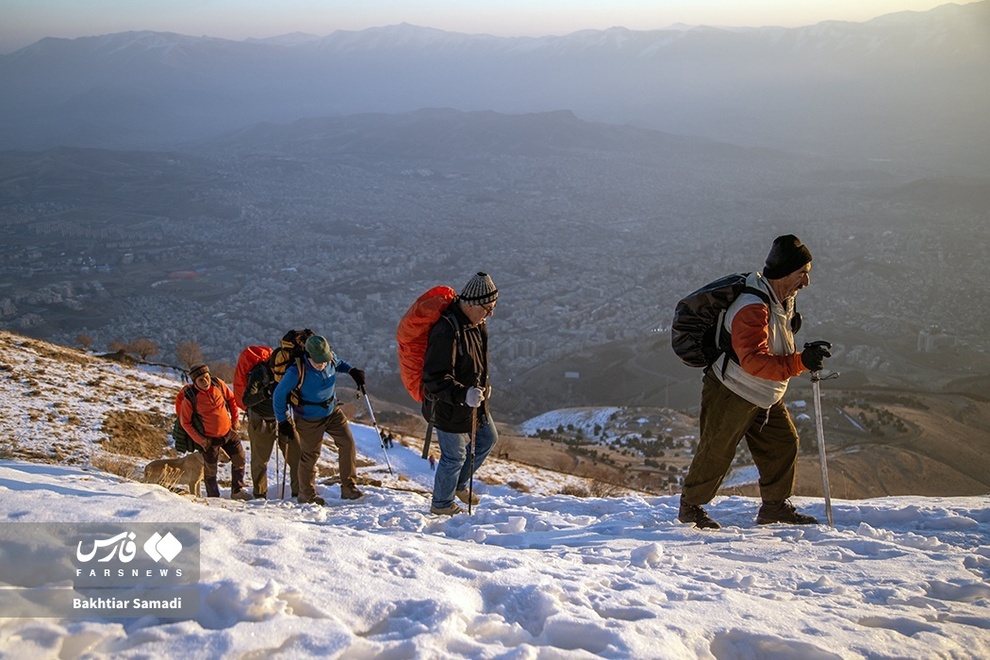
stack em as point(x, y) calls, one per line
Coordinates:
point(217, 442)
point(286, 429)
point(358, 376)
point(814, 354)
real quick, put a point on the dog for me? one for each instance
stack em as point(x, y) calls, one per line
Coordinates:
point(168, 472)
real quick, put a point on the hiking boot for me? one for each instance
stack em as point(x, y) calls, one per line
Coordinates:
point(692, 513)
point(463, 495)
point(782, 512)
point(451, 510)
point(261, 496)
point(316, 500)
point(240, 495)
point(350, 493)
point(212, 488)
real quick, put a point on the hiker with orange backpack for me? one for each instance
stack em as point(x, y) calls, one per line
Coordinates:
point(263, 431)
point(456, 392)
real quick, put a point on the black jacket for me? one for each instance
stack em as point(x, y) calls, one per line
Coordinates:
point(456, 359)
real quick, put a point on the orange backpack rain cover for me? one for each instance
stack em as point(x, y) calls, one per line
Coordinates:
point(246, 361)
point(414, 332)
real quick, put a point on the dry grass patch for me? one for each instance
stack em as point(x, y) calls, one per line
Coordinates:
point(136, 433)
point(575, 491)
point(59, 353)
point(118, 465)
point(601, 488)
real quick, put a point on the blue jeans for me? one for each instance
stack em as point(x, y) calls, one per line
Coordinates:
point(454, 470)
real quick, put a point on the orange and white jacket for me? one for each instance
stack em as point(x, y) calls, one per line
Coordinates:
point(763, 342)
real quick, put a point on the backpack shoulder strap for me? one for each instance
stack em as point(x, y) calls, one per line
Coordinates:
point(301, 368)
point(295, 396)
point(455, 325)
point(220, 385)
point(190, 393)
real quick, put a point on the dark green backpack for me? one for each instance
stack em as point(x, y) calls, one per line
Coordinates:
point(183, 442)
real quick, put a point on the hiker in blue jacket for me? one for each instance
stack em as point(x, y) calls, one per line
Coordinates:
point(308, 387)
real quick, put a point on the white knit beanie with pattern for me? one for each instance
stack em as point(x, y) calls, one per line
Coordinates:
point(480, 290)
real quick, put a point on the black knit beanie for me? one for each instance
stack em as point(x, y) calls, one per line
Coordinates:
point(787, 254)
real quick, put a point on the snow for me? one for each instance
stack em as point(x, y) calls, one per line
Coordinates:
point(527, 575)
point(741, 476)
point(583, 418)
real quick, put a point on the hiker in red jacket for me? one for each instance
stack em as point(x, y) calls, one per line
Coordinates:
point(220, 415)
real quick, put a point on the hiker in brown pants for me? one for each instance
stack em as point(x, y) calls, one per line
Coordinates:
point(725, 420)
point(742, 393)
point(311, 441)
point(308, 388)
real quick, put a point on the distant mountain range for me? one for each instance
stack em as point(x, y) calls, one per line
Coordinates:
point(909, 89)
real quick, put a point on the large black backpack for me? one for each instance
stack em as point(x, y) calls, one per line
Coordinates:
point(697, 333)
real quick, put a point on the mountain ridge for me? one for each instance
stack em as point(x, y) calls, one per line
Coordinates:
point(850, 89)
point(927, 27)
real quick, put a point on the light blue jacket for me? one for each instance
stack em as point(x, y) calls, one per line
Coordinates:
point(317, 398)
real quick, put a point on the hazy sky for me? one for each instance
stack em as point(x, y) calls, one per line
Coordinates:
point(23, 22)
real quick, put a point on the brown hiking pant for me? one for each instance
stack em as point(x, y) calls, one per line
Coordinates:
point(311, 441)
point(263, 435)
point(727, 418)
point(211, 457)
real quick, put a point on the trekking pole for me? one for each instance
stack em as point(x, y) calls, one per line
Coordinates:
point(285, 464)
point(429, 437)
point(474, 436)
point(429, 429)
point(816, 379)
point(281, 494)
point(374, 422)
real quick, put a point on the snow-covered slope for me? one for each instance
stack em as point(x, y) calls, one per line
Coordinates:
point(65, 406)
